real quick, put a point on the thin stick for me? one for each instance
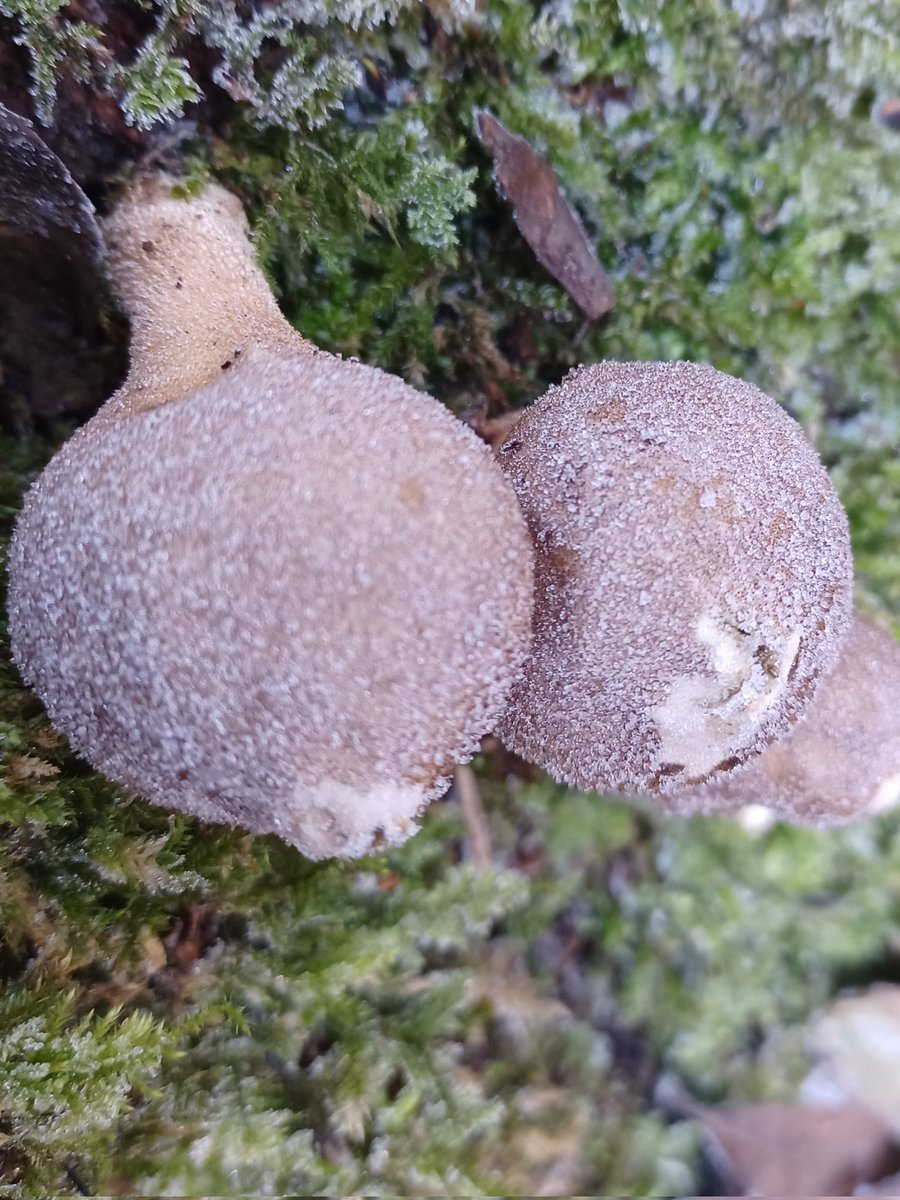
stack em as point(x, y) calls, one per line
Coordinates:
point(473, 813)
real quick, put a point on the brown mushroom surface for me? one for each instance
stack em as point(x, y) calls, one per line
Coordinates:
point(841, 761)
point(693, 575)
point(266, 586)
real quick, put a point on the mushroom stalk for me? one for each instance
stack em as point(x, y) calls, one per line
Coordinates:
point(186, 275)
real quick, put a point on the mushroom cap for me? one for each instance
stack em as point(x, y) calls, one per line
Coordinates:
point(693, 575)
point(290, 601)
point(840, 762)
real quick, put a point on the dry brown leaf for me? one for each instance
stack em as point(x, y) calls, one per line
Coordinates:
point(28, 768)
point(545, 218)
point(797, 1150)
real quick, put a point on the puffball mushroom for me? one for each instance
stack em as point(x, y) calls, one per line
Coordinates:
point(840, 762)
point(264, 585)
point(693, 575)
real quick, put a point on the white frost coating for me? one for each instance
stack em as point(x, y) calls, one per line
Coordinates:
point(841, 761)
point(693, 577)
point(756, 818)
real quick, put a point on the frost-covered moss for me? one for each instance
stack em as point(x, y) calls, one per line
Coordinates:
point(54, 45)
point(290, 62)
point(68, 1082)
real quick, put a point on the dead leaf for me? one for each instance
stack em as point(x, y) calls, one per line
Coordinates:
point(789, 1149)
point(545, 218)
point(29, 769)
point(797, 1150)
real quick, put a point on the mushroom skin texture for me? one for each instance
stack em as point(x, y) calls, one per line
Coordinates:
point(264, 585)
point(692, 576)
point(840, 762)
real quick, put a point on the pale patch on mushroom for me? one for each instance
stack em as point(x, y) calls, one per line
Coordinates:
point(885, 796)
point(841, 761)
point(336, 818)
point(693, 576)
point(705, 717)
point(265, 586)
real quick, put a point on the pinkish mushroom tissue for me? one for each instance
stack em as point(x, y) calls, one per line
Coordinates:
point(264, 585)
point(693, 575)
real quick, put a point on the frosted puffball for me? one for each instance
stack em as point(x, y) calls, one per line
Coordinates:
point(693, 575)
point(264, 585)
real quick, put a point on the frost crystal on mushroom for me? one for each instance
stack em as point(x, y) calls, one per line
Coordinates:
point(265, 585)
point(693, 575)
point(841, 761)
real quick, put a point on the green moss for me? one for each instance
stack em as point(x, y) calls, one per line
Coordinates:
point(67, 1082)
point(157, 86)
point(705, 937)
